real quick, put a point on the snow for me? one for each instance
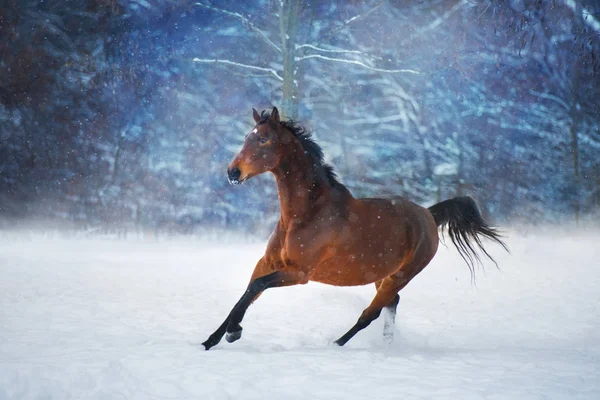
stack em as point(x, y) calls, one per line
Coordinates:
point(101, 319)
point(588, 16)
point(445, 169)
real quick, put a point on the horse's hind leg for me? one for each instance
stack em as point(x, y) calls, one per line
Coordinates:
point(386, 294)
point(389, 315)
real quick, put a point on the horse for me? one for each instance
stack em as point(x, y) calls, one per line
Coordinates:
point(326, 235)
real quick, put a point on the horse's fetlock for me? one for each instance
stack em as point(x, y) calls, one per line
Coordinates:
point(233, 336)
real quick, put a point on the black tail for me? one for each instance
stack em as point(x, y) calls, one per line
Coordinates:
point(465, 227)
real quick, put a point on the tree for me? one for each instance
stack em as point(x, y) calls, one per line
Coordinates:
point(105, 119)
point(285, 65)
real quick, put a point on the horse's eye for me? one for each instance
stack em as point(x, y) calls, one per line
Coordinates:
point(262, 140)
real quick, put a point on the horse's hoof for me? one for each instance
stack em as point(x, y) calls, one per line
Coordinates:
point(339, 342)
point(207, 345)
point(233, 336)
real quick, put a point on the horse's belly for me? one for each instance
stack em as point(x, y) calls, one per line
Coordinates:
point(352, 271)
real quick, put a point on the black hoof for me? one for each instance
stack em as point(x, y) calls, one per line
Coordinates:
point(339, 342)
point(208, 344)
point(233, 336)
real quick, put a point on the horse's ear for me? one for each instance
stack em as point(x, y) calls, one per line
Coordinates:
point(256, 116)
point(275, 115)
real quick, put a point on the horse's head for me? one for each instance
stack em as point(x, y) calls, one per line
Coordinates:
point(262, 150)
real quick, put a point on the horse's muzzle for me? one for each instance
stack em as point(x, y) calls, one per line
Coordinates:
point(233, 174)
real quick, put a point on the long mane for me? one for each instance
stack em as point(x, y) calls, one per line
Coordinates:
point(311, 148)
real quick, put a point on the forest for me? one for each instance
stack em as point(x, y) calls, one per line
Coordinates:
point(124, 115)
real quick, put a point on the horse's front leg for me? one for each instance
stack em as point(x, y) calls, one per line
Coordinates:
point(276, 279)
point(217, 335)
point(262, 268)
point(231, 325)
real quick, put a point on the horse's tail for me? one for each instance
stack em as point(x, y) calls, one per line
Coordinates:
point(466, 227)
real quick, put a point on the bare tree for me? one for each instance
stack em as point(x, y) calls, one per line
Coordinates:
point(288, 53)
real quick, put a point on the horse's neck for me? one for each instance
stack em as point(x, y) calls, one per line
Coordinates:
point(298, 187)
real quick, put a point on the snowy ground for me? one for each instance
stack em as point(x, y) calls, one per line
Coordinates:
point(102, 319)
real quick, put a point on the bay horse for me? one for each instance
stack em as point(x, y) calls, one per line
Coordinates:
point(326, 235)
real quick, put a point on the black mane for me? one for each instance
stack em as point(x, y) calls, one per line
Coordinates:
point(311, 148)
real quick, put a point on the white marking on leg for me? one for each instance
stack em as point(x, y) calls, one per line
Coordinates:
point(389, 323)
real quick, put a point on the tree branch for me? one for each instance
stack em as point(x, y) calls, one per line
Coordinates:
point(353, 19)
point(435, 23)
point(245, 21)
point(588, 17)
point(361, 64)
point(237, 64)
point(310, 46)
point(376, 120)
point(551, 97)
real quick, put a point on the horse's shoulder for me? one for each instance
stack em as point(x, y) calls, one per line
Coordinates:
point(275, 243)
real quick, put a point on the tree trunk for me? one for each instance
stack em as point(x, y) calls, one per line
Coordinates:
point(288, 21)
point(575, 152)
point(574, 116)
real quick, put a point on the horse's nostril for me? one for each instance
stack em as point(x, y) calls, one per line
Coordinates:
point(234, 174)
